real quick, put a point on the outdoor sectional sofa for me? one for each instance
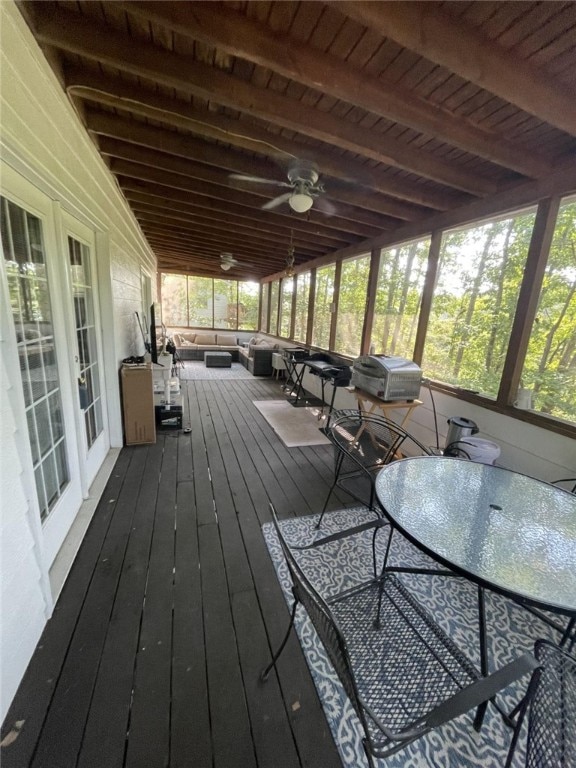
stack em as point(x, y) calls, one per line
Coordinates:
point(191, 345)
point(255, 354)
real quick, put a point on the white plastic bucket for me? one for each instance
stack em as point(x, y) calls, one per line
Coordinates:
point(483, 451)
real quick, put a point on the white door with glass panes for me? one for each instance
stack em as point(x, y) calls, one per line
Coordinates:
point(37, 356)
point(78, 244)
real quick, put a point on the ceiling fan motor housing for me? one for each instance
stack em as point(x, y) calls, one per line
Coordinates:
point(307, 173)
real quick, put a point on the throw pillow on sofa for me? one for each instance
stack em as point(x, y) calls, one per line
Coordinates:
point(226, 340)
point(206, 339)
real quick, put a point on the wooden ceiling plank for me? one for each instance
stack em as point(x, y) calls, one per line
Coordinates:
point(432, 33)
point(220, 243)
point(69, 32)
point(172, 228)
point(215, 227)
point(197, 242)
point(247, 135)
point(327, 73)
point(308, 228)
point(175, 181)
point(190, 213)
point(174, 145)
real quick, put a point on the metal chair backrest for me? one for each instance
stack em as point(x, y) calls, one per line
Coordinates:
point(371, 441)
point(570, 482)
point(550, 702)
point(324, 623)
point(552, 714)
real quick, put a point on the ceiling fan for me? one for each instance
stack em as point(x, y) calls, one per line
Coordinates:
point(303, 183)
point(227, 261)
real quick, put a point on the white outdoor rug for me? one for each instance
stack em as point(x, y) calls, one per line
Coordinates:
point(195, 370)
point(451, 601)
point(294, 426)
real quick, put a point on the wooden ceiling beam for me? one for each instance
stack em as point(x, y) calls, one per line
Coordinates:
point(162, 161)
point(248, 135)
point(252, 235)
point(207, 228)
point(432, 33)
point(176, 181)
point(227, 245)
point(202, 264)
point(86, 38)
point(294, 222)
point(181, 212)
point(248, 39)
point(112, 128)
point(212, 257)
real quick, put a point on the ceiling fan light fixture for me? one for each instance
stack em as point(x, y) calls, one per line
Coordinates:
point(300, 202)
point(225, 266)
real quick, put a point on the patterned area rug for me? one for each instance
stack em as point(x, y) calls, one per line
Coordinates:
point(195, 370)
point(451, 601)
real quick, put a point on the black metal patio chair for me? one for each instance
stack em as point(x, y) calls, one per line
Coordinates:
point(550, 703)
point(568, 482)
point(403, 675)
point(363, 444)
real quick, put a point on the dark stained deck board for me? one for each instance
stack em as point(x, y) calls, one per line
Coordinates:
point(300, 697)
point(190, 722)
point(36, 691)
point(149, 727)
point(174, 603)
point(108, 719)
point(72, 697)
point(229, 721)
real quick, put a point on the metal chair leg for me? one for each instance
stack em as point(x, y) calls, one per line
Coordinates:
point(265, 672)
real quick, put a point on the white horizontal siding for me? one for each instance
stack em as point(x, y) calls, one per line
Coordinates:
point(43, 140)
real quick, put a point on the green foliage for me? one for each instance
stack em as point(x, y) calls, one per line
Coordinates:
point(203, 302)
point(352, 304)
point(398, 296)
point(302, 298)
point(550, 364)
point(322, 306)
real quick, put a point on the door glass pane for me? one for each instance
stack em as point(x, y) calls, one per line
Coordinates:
point(83, 296)
point(24, 255)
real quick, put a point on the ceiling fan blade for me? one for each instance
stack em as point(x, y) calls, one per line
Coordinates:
point(276, 201)
point(258, 180)
point(324, 205)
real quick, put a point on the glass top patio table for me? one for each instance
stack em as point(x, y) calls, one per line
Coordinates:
point(505, 531)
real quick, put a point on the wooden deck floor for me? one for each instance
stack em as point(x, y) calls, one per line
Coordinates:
point(153, 653)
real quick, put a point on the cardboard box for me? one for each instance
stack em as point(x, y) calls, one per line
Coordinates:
point(138, 404)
